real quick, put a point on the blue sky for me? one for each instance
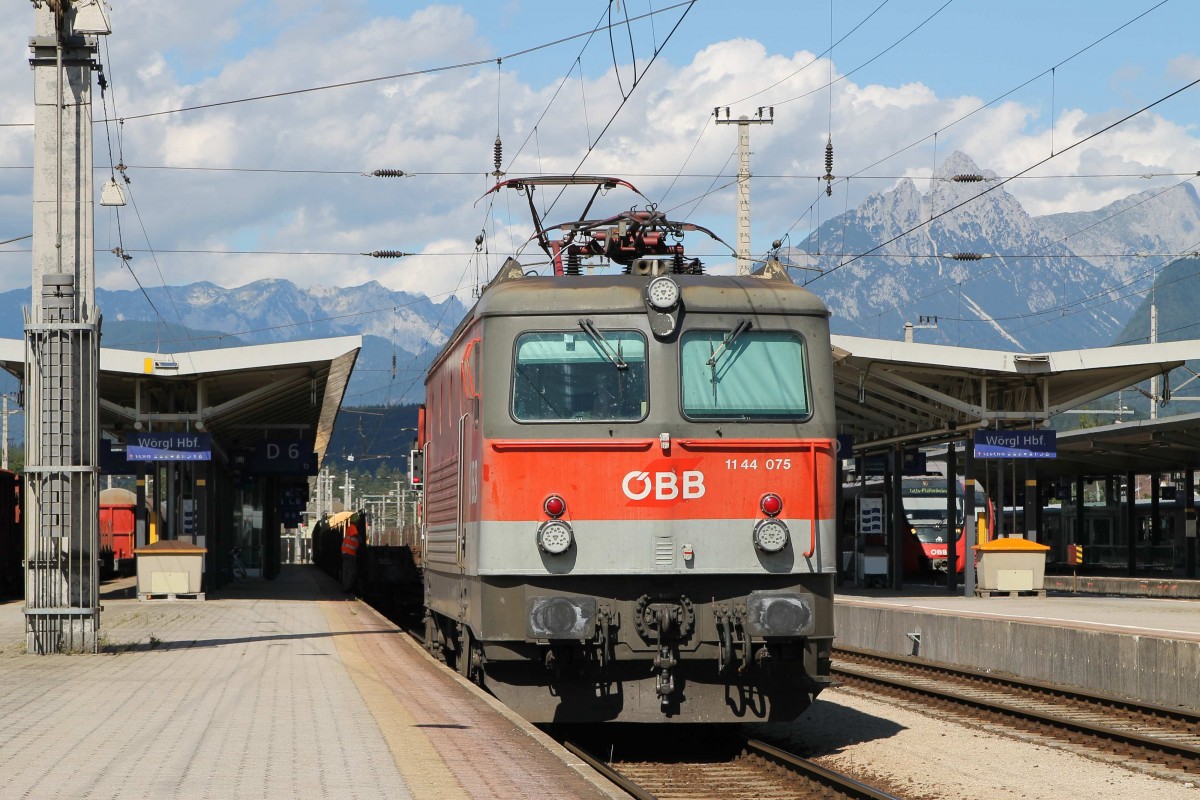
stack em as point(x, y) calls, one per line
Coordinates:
point(167, 56)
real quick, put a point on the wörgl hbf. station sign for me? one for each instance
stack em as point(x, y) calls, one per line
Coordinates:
point(1015, 444)
point(168, 447)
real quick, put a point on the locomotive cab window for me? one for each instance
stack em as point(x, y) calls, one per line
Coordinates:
point(580, 376)
point(743, 373)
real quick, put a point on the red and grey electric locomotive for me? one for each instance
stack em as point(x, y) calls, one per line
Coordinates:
point(629, 473)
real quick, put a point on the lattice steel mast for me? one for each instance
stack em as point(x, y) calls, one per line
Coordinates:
point(62, 335)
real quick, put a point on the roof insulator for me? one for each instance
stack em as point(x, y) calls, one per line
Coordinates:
point(389, 173)
point(387, 254)
point(967, 256)
point(967, 178)
point(828, 176)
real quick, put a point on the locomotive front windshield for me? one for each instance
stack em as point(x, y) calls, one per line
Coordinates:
point(743, 374)
point(580, 376)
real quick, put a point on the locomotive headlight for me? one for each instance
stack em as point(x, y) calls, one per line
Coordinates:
point(662, 293)
point(555, 537)
point(771, 535)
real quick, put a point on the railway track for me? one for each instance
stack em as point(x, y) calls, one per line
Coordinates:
point(759, 772)
point(1133, 732)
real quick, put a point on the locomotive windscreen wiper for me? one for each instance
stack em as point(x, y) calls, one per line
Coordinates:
point(741, 327)
point(602, 344)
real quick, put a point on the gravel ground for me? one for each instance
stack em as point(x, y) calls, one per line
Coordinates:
point(920, 757)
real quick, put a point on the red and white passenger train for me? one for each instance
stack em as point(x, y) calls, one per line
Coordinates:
point(629, 481)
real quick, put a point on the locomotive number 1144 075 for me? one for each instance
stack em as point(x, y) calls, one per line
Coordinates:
point(753, 463)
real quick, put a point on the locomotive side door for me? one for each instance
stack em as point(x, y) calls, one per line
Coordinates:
point(467, 510)
point(460, 512)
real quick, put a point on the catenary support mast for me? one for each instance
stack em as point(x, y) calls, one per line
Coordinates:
point(743, 182)
point(62, 335)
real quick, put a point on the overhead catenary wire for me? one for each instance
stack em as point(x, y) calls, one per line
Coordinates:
point(1013, 90)
point(990, 103)
point(869, 61)
point(827, 52)
point(625, 95)
point(1144, 175)
point(119, 251)
point(455, 254)
point(998, 184)
point(469, 253)
point(394, 76)
point(1041, 254)
point(1044, 321)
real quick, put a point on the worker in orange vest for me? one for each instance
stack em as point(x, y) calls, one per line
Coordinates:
point(351, 546)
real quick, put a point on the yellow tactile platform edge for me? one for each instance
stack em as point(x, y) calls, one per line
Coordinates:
point(417, 759)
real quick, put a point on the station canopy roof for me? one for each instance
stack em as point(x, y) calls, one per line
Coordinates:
point(1143, 447)
point(241, 395)
point(903, 393)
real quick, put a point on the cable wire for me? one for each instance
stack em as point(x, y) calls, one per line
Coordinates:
point(998, 184)
point(400, 75)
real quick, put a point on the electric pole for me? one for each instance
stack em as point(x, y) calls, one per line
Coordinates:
point(62, 339)
point(1153, 340)
point(743, 207)
point(4, 433)
point(923, 323)
point(347, 492)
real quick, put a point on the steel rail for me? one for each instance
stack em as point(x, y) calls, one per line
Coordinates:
point(1080, 694)
point(616, 778)
point(1186, 754)
point(815, 772)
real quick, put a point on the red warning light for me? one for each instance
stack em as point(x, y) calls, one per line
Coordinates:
point(555, 506)
point(771, 504)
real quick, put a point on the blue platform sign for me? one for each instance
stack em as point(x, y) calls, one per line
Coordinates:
point(1016, 444)
point(168, 447)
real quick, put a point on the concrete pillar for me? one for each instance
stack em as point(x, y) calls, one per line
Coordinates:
point(1001, 519)
point(1155, 532)
point(1189, 528)
point(969, 501)
point(1130, 523)
point(1080, 533)
point(140, 514)
point(839, 521)
point(896, 525)
point(1030, 503)
point(270, 529)
point(62, 352)
point(952, 527)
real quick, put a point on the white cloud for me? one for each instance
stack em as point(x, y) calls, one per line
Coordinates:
point(445, 123)
point(1184, 67)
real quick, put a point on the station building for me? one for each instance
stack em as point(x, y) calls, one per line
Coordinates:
point(221, 442)
point(894, 398)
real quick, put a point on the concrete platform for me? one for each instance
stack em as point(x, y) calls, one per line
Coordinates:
point(269, 690)
point(1179, 588)
point(1138, 647)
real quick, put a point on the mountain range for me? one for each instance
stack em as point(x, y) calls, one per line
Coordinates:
point(1032, 283)
point(993, 275)
point(401, 332)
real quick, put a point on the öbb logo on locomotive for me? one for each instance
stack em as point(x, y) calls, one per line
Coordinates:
point(638, 485)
